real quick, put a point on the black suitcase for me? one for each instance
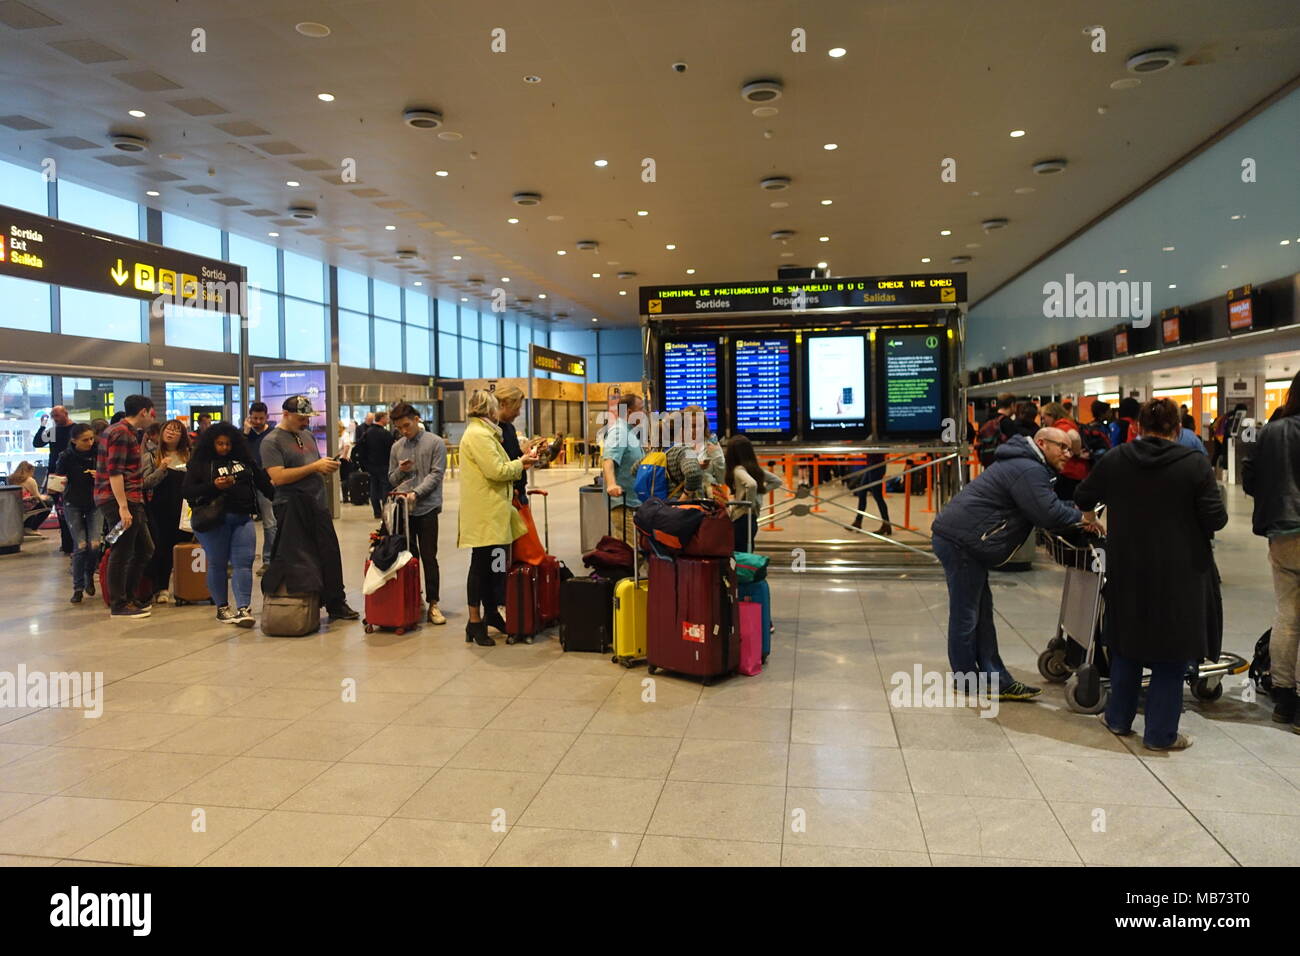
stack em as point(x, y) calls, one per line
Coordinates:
point(358, 488)
point(587, 614)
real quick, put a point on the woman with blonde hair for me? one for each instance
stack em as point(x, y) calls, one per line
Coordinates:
point(36, 506)
point(487, 522)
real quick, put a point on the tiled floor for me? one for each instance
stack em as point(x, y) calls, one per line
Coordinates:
point(222, 747)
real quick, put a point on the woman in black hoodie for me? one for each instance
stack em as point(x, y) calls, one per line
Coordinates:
point(223, 468)
point(77, 464)
point(1163, 607)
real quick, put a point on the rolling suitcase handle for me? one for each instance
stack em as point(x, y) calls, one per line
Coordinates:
point(748, 524)
point(546, 516)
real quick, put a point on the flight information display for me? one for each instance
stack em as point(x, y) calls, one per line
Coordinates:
point(913, 380)
point(764, 390)
point(836, 387)
point(691, 376)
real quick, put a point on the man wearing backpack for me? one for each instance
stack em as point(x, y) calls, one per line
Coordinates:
point(991, 433)
point(1077, 466)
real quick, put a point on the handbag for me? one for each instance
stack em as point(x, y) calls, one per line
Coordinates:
point(528, 547)
point(206, 517)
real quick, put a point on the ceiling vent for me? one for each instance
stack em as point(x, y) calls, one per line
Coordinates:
point(422, 119)
point(128, 143)
point(587, 245)
point(302, 211)
point(524, 300)
point(988, 225)
point(960, 260)
point(761, 91)
point(774, 184)
point(475, 281)
point(1047, 167)
point(781, 235)
point(627, 275)
point(526, 199)
point(1152, 61)
point(561, 315)
point(407, 254)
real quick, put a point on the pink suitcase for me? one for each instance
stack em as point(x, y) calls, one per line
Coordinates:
point(751, 638)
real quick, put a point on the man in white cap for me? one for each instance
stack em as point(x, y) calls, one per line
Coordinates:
point(294, 464)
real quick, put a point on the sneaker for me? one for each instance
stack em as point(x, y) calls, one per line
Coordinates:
point(1181, 742)
point(1019, 690)
point(1117, 733)
point(342, 613)
point(140, 607)
point(76, 597)
point(90, 587)
point(227, 614)
point(244, 617)
point(163, 597)
point(265, 566)
point(128, 610)
point(435, 615)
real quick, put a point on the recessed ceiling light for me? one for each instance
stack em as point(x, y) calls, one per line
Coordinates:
point(945, 232)
point(457, 258)
point(826, 202)
point(1237, 216)
point(505, 278)
point(787, 255)
point(690, 272)
point(274, 235)
point(602, 162)
point(512, 220)
point(836, 52)
point(1173, 285)
point(1017, 133)
point(972, 245)
point(390, 228)
point(418, 282)
point(1166, 248)
point(670, 247)
point(779, 204)
point(463, 299)
point(595, 275)
point(138, 114)
point(554, 218)
point(823, 238)
point(325, 97)
point(1224, 266)
point(450, 136)
point(831, 146)
point(309, 28)
point(821, 265)
point(541, 295)
point(765, 111)
point(974, 192)
point(292, 183)
point(643, 212)
point(1123, 272)
point(594, 319)
point(152, 192)
point(1285, 242)
point(560, 252)
point(612, 262)
point(1023, 190)
point(925, 259)
point(171, 155)
point(532, 78)
point(622, 291)
point(440, 172)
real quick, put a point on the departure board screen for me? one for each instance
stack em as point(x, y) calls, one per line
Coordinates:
point(912, 381)
point(836, 389)
point(764, 385)
point(691, 376)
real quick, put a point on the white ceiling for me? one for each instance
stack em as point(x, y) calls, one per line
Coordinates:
point(923, 80)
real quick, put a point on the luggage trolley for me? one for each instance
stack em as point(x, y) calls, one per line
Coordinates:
point(1077, 654)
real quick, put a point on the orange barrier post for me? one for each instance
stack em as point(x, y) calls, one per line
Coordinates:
point(930, 472)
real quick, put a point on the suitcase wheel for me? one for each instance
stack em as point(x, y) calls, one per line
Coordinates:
point(370, 628)
point(651, 669)
point(528, 639)
point(764, 658)
point(510, 638)
point(401, 630)
point(178, 602)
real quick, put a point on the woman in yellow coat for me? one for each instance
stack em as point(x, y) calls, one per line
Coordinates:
point(488, 521)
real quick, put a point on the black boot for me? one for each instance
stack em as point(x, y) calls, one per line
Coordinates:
point(476, 631)
point(885, 528)
point(492, 618)
point(1284, 701)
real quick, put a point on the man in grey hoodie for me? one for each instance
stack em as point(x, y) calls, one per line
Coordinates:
point(416, 463)
point(980, 529)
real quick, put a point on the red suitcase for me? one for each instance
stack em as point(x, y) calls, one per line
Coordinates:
point(523, 613)
point(548, 590)
point(396, 605)
point(143, 589)
point(691, 621)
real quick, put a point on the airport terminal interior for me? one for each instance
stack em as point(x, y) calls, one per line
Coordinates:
point(842, 234)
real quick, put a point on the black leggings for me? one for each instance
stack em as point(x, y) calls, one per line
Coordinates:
point(481, 584)
point(877, 492)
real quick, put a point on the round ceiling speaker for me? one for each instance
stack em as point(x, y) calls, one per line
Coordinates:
point(775, 183)
point(302, 211)
point(422, 119)
point(960, 260)
point(988, 225)
point(128, 143)
point(627, 275)
point(761, 91)
point(526, 199)
point(309, 28)
point(1152, 61)
point(475, 280)
point(1047, 167)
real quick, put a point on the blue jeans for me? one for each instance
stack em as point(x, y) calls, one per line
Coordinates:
point(84, 527)
point(1164, 698)
point(234, 543)
point(268, 525)
point(972, 637)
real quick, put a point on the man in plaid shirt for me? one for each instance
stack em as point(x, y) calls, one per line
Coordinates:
point(119, 495)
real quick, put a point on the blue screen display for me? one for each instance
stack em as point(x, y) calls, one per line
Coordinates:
point(763, 384)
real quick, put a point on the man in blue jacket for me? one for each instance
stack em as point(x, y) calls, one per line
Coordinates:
point(980, 529)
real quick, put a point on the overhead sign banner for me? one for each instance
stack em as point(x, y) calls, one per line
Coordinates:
point(62, 253)
point(547, 361)
point(813, 295)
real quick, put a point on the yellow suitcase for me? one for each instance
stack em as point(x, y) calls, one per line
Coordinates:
point(631, 600)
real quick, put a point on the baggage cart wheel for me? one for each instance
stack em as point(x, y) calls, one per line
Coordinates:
point(1056, 644)
point(1051, 664)
point(1084, 693)
point(1207, 688)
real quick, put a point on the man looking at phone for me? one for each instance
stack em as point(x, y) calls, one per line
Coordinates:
point(415, 467)
point(294, 464)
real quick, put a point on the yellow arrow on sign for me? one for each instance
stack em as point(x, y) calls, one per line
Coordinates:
point(119, 274)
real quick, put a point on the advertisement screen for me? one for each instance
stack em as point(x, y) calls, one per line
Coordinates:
point(1083, 352)
point(836, 388)
point(1171, 329)
point(1240, 317)
point(764, 385)
point(691, 376)
point(275, 385)
point(913, 381)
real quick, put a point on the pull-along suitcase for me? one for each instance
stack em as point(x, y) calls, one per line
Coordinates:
point(760, 593)
point(290, 615)
point(548, 569)
point(396, 605)
point(523, 614)
point(631, 602)
point(750, 616)
point(143, 587)
point(587, 614)
point(189, 574)
point(358, 488)
point(691, 622)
